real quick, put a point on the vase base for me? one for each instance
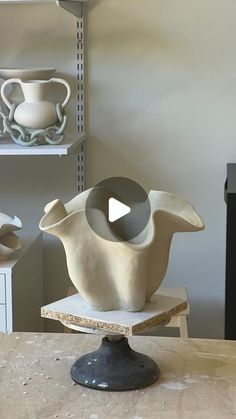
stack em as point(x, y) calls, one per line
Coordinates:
point(26, 137)
point(115, 367)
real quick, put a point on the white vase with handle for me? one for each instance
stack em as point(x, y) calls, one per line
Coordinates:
point(36, 111)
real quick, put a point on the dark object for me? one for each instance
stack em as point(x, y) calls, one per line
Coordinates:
point(230, 286)
point(129, 193)
point(115, 367)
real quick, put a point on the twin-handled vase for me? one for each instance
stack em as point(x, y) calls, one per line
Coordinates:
point(36, 111)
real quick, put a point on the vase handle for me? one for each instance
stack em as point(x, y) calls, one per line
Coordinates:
point(3, 87)
point(68, 95)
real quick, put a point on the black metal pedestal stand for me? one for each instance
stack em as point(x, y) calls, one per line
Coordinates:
point(115, 367)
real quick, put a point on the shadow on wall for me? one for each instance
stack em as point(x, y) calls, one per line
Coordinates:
point(118, 163)
point(134, 162)
point(207, 312)
point(94, 3)
point(57, 281)
point(131, 31)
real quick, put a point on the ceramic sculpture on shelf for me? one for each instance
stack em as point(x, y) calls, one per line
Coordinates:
point(9, 242)
point(112, 275)
point(36, 120)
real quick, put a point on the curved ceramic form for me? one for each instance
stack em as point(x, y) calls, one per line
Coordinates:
point(9, 245)
point(118, 275)
point(9, 224)
point(9, 242)
point(43, 73)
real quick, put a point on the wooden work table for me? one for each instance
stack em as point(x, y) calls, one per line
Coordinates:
point(198, 379)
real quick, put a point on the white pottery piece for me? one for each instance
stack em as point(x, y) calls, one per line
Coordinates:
point(118, 275)
point(35, 112)
point(37, 73)
point(9, 244)
point(9, 224)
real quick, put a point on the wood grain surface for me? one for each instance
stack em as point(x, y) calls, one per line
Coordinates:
point(198, 379)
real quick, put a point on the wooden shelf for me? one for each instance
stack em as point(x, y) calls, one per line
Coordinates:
point(26, 1)
point(70, 146)
point(40, 1)
point(71, 6)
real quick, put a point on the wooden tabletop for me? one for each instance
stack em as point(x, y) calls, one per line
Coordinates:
point(198, 379)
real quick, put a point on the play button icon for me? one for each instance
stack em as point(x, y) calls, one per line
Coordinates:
point(118, 209)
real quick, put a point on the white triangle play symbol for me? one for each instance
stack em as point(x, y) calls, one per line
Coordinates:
point(117, 210)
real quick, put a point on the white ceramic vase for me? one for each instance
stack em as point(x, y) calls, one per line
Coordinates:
point(118, 275)
point(36, 111)
point(9, 242)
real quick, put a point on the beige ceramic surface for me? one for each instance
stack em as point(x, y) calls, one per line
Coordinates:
point(198, 379)
point(118, 275)
point(9, 224)
point(42, 73)
point(9, 242)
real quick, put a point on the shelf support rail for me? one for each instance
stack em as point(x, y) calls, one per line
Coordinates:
point(80, 96)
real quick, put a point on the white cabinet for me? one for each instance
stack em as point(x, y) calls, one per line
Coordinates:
point(3, 323)
point(2, 289)
point(21, 289)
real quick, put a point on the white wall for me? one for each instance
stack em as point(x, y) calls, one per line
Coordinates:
point(161, 111)
point(40, 35)
point(162, 106)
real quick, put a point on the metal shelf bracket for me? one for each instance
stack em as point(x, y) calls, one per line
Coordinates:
point(72, 6)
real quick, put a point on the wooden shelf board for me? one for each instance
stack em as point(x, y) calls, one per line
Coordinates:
point(38, 1)
point(74, 310)
point(70, 146)
point(71, 6)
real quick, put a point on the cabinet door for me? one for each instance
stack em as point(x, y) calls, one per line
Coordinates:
point(2, 289)
point(3, 323)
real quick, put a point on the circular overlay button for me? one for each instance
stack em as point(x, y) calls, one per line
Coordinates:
point(118, 209)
